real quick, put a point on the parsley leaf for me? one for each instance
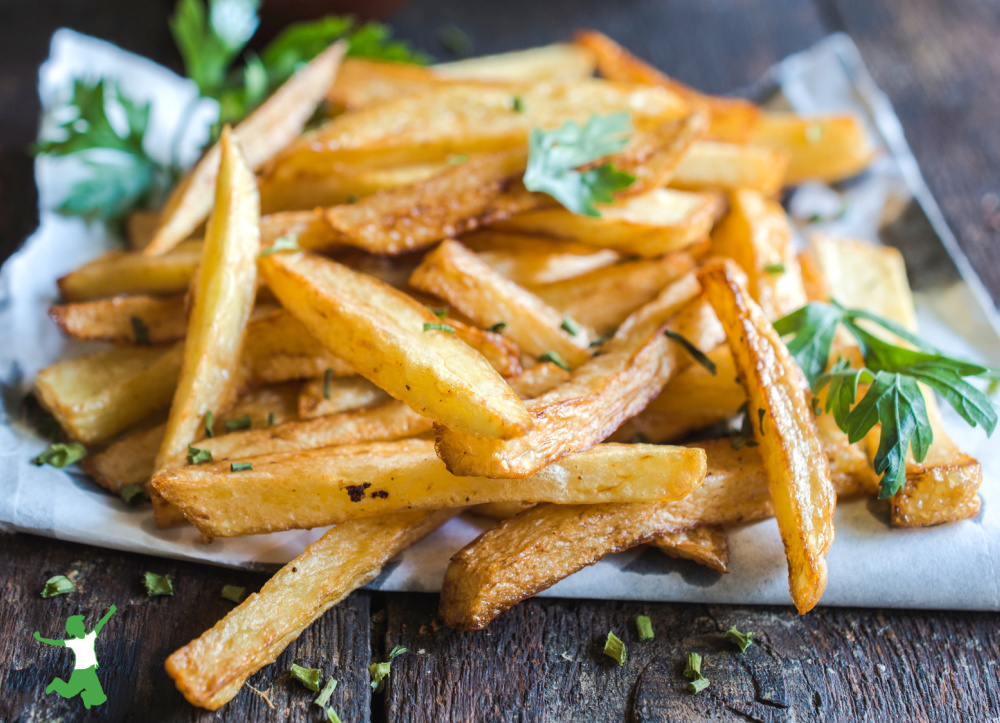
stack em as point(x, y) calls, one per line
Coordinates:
point(697, 354)
point(555, 155)
point(309, 677)
point(61, 455)
point(157, 584)
point(741, 640)
point(210, 39)
point(57, 585)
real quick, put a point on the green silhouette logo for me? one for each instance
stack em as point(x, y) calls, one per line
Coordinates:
point(83, 681)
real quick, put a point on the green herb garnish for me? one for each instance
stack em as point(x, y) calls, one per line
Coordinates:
point(614, 648)
point(239, 423)
point(697, 354)
point(697, 685)
point(309, 677)
point(233, 593)
point(457, 159)
point(60, 455)
point(327, 383)
point(440, 312)
point(332, 717)
point(57, 585)
point(289, 242)
point(551, 356)
point(434, 326)
point(157, 584)
point(498, 327)
point(209, 423)
point(517, 104)
point(693, 671)
point(240, 466)
point(893, 400)
point(134, 494)
point(644, 626)
point(569, 326)
point(198, 456)
point(270, 419)
point(140, 331)
point(555, 155)
point(745, 436)
point(776, 268)
point(324, 695)
point(742, 640)
point(380, 671)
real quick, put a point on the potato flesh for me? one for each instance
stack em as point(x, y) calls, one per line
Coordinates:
point(557, 62)
point(164, 319)
point(824, 148)
point(320, 397)
point(129, 272)
point(712, 165)
point(707, 545)
point(533, 260)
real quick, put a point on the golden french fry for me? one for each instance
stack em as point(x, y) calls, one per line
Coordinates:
point(559, 62)
point(94, 397)
point(391, 340)
point(140, 227)
point(757, 235)
point(733, 119)
point(824, 148)
point(602, 299)
point(132, 459)
point(455, 274)
point(123, 319)
point(533, 260)
point(707, 545)
point(780, 408)
point(130, 272)
point(711, 165)
point(361, 83)
point(538, 379)
point(222, 301)
point(320, 397)
point(632, 369)
point(278, 348)
point(210, 670)
point(650, 224)
point(502, 353)
point(318, 487)
point(465, 118)
point(265, 132)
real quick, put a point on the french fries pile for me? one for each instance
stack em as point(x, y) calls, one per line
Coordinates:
point(408, 333)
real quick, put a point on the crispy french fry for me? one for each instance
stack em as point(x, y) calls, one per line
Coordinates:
point(210, 670)
point(222, 301)
point(465, 118)
point(159, 319)
point(707, 545)
point(438, 375)
point(632, 369)
point(94, 397)
point(538, 379)
point(130, 272)
point(602, 299)
point(265, 132)
point(733, 119)
point(502, 353)
point(361, 83)
point(140, 227)
point(533, 260)
point(131, 460)
point(559, 62)
point(300, 490)
point(650, 224)
point(455, 274)
point(757, 235)
point(780, 405)
point(278, 348)
point(711, 165)
point(320, 397)
point(824, 148)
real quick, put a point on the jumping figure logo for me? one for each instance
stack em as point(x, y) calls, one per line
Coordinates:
point(83, 681)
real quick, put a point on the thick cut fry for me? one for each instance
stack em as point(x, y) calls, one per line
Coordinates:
point(780, 408)
point(757, 235)
point(361, 83)
point(265, 132)
point(131, 460)
point(632, 369)
point(733, 119)
point(124, 319)
point(710, 165)
point(222, 301)
point(211, 670)
point(466, 118)
point(455, 274)
point(95, 397)
point(389, 339)
point(502, 353)
point(944, 487)
point(559, 62)
point(650, 224)
point(538, 379)
point(320, 397)
point(278, 348)
point(707, 545)
point(300, 490)
point(822, 148)
point(604, 298)
point(140, 227)
point(129, 272)
point(533, 260)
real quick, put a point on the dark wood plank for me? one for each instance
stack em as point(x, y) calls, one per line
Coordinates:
point(144, 631)
point(939, 62)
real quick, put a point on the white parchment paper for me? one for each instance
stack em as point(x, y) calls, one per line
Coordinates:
point(870, 564)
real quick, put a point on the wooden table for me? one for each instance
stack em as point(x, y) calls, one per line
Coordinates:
point(939, 61)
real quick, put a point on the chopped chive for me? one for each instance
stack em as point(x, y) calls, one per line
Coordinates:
point(209, 423)
point(697, 685)
point(270, 419)
point(434, 326)
point(742, 640)
point(775, 268)
point(457, 159)
point(570, 326)
point(57, 585)
point(327, 381)
point(157, 584)
point(697, 354)
point(198, 456)
point(439, 311)
point(379, 672)
point(351, 199)
point(309, 677)
point(760, 420)
point(332, 717)
point(693, 668)
point(289, 242)
point(235, 425)
point(234, 593)
point(60, 455)
point(134, 494)
point(614, 648)
point(551, 356)
point(498, 327)
point(140, 330)
point(324, 695)
point(645, 627)
point(397, 651)
point(240, 466)
point(517, 104)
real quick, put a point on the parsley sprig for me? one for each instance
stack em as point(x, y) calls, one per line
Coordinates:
point(893, 398)
point(555, 155)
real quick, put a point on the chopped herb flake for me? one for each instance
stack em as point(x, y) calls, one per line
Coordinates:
point(270, 419)
point(234, 593)
point(209, 423)
point(140, 330)
point(775, 268)
point(551, 356)
point(332, 717)
point(498, 327)
point(517, 104)
point(570, 326)
point(289, 242)
point(134, 494)
point(309, 677)
point(379, 672)
point(397, 651)
point(439, 311)
point(697, 354)
point(614, 648)
point(60, 455)
point(742, 640)
point(324, 695)
point(57, 585)
point(693, 668)
point(645, 627)
point(240, 466)
point(327, 383)
point(434, 326)
point(157, 584)
point(458, 159)
point(198, 456)
point(697, 685)
point(235, 425)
